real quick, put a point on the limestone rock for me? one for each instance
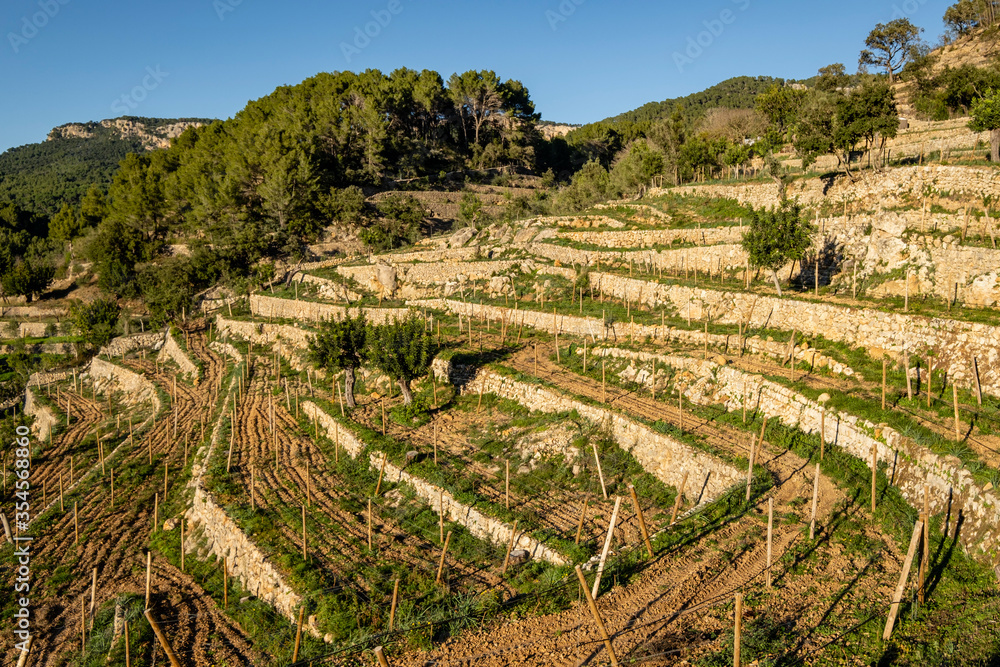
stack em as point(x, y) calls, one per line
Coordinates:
point(386, 277)
point(461, 237)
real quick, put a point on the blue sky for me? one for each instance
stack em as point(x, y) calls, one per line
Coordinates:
point(77, 60)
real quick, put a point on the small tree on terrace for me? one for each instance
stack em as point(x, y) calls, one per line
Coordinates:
point(341, 346)
point(403, 351)
point(97, 321)
point(776, 237)
point(986, 116)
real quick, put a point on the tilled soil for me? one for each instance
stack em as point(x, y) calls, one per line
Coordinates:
point(681, 596)
point(113, 539)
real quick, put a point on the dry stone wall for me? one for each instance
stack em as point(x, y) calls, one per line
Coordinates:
point(589, 326)
point(269, 306)
point(478, 524)
point(45, 419)
point(909, 466)
point(665, 458)
point(136, 388)
point(173, 352)
point(704, 259)
point(888, 189)
point(128, 344)
point(956, 343)
point(227, 541)
point(648, 238)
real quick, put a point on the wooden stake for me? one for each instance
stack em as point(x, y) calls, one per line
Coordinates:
point(441, 513)
point(298, 634)
point(583, 515)
point(678, 499)
point(738, 631)
point(182, 544)
point(930, 377)
point(392, 610)
point(385, 457)
point(600, 472)
point(898, 595)
point(979, 386)
point(874, 474)
point(76, 524)
point(381, 656)
point(510, 546)
point(884, 365)
point(822, 432)
point(156, 511)
point(444, 551)
point(225, 583)
point(604, 387)
point(506, 484)
point(753, 445)
point(906, 369)
point(607, 546)
point(812, 520)
point(958, 425)
point(597, 617)
point(149, 573)
point(305, 553)
point(770, 535)
point(369, 524)
point(925, 556)
point(642, 520)
point(171, 656)
point(128, 655)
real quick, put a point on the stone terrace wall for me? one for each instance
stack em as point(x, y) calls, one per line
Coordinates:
point(955, 342)
point(136, 388)
point(665, 458)
point(478, 524)
point(910, 466)
point(589, 326)
point(45, 419)
point(647, 238)
point(872, 190)
point(704, 259)
point(172, 351)
point(438, 273)
point(269, 306)
point(227, 541)
point(127, 344)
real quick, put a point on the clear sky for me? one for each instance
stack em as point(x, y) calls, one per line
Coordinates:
point(582, 60)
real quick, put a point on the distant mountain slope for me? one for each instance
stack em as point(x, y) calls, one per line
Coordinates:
point(41, 177)
point(736, 93)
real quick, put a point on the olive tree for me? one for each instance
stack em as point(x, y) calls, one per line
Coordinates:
point(341, 345)
point(402, 350)
point(775, 237)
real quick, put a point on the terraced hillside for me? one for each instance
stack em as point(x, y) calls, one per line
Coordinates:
point(617, 390)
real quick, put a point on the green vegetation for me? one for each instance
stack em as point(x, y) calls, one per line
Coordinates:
point(773, 238)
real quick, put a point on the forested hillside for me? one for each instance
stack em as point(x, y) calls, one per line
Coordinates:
point(42, 177)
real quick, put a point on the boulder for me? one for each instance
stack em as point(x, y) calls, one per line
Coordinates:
point(386, 277)
point(461, 237)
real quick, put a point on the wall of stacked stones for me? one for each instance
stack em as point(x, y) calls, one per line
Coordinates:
point(589, 326)
point(478, 524)
point(128, 344)
point(703, 258)
point(871, 190)
point(665, 458)
point(956, 343)
point(45, 419)
point(269, 306)
point(647, 238)
point(438, 272)
point(908, 466)
point(173, 352)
